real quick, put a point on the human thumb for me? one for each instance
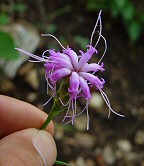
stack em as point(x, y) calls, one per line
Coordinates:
point(28, 147)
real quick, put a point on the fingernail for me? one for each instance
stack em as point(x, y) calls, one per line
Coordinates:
point(45, 145)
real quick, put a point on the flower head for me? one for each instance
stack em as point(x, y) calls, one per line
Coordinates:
point(82, 74)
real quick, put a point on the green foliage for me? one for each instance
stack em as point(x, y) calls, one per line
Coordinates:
point(52, 28)
point(93, 5)
point(128, 12)
point(132, 19)
point(81, 41)
point(4, 19)
point(7, 46)
point(19, 7)
point(134, 30)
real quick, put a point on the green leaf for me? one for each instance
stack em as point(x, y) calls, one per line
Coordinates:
point(82, 41)
point(128, 12)
point(94, 5)
point(142, 18)
point(120, 3)
point(7, 46)
point(52, 28)
point(116, 6)
point(19, 7)
point(114, 10)
point(134, 31)
point(61, 163)
point(4, 19)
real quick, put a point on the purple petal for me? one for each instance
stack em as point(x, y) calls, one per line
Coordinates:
point(62, 63)
point(58, 74)
point(74, 85)
point(85, 88)
point(59, 55)
point(94, 80)
point(61, 60)
point(51, 66)
point(73, 56)
point(86, 56)
point(92, 67)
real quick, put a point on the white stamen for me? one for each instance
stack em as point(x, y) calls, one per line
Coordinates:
point(106, 100)
point(55, 39)
point(62, 102)
point(67, 111)
point(73, 112)
point(87, 115)
point(85, 108)
point(99, 16)
point(44, 53)
point(108, 103)
point(52, 88)
point(47, 101)
point(100, 31)
point(104, 50)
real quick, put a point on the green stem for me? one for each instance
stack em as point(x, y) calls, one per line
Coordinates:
point(47, 121)
point(57, 107)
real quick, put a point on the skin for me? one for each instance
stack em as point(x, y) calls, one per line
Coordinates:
point(21, 141)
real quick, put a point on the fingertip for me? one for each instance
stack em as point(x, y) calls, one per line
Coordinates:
point(44, 144)
point(28, 147)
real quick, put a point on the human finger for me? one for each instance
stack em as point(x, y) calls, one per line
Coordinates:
point(28, 147)
point(16, 115)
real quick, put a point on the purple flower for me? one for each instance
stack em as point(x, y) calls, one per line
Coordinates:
point(82, 74)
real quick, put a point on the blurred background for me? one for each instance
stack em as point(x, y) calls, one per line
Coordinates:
point(109, 142)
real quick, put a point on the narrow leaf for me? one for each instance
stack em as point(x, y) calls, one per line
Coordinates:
point(61, 163)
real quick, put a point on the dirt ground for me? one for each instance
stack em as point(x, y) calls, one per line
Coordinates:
point(109, 142)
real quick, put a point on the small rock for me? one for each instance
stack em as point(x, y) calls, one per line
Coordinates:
point(26, 37)
point(71, 163)
point(118, 154)
point(108, 155)
point(80, 162)
point(99, 157)
point(25, 69)
point(142, 163)
point(59, 134)
point(96, 101)
point(141, 111)
point(31, 97)
point(124, 145)
point(7, 85)
point(139, 137)
point(131, 156)
point(98, 151)
point(80, 123)
point(85, 140)
point(32, 78)
point(134, 111)
point(90, 162)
